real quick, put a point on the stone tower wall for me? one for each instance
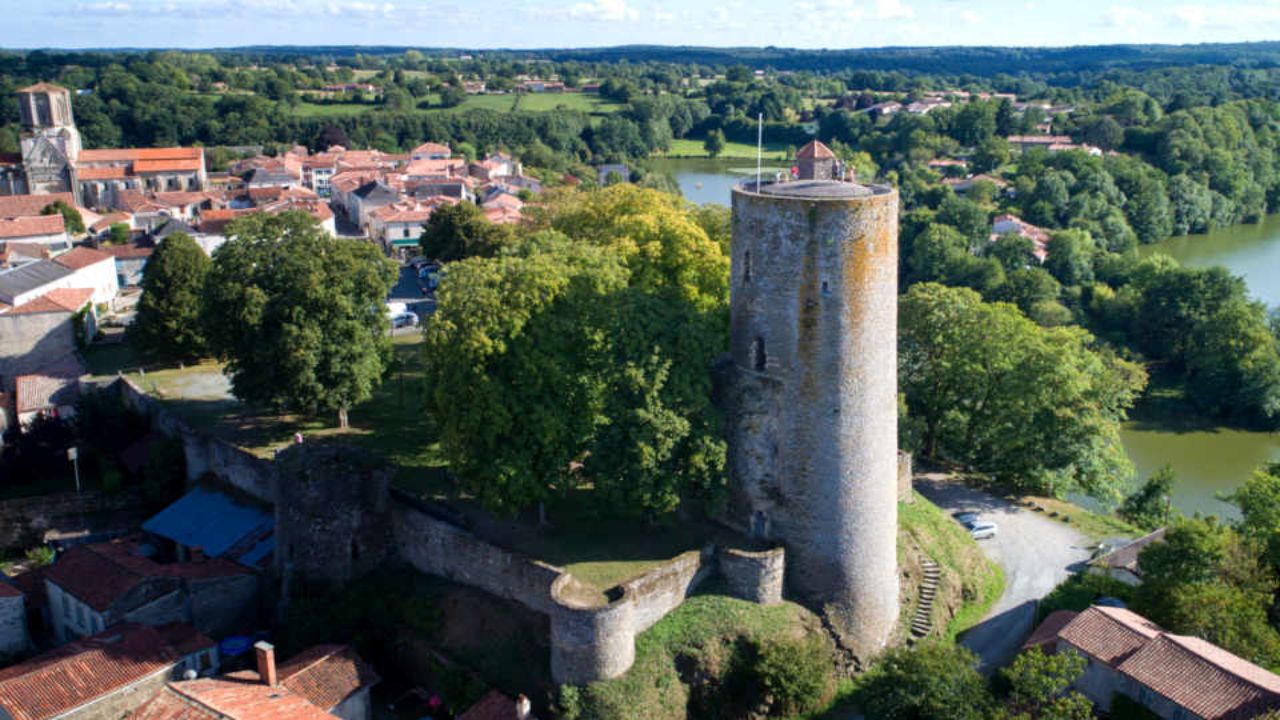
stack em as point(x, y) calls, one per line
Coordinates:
point(813, 434)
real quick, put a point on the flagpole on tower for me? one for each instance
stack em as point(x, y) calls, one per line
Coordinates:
point(759, 146)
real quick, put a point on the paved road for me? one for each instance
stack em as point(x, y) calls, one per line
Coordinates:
point(1035, 552)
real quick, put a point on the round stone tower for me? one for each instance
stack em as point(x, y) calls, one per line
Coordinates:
point(813, 434)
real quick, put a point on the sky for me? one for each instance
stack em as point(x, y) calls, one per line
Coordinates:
point(595, 23)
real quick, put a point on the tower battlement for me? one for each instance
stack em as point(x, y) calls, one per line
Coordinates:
point(813, 429)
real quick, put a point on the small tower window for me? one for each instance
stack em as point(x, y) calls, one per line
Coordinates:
point(746, 266)
point(759, 359)
point(826, 288)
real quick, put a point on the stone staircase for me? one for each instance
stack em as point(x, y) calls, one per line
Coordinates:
point(921, 624)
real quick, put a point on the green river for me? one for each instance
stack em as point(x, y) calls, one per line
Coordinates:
point(1207, 460)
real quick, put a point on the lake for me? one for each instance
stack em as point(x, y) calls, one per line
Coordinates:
point(1207, 461)
point(706, 180)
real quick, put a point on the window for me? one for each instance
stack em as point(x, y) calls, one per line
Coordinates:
point(826, 288)
point(746, 266)
point(759, 359)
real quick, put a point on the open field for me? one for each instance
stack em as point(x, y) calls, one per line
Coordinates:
point(693, 149)
point(538, 102)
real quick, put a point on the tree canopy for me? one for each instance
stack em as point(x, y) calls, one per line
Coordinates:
point(169, 325)
point(297, 315)
point(574, 358)
point(1039, 407)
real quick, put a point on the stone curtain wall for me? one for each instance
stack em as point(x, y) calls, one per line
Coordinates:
point(13, 627)
point(588, 642)
point(23, 521)
point(204, 452)
point(754, 576)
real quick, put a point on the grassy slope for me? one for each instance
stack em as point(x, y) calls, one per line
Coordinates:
point(970, 582)
point(701, 632)
point(693, 149)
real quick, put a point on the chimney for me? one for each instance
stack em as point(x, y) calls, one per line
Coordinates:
point(266, 654)
point(524, 708)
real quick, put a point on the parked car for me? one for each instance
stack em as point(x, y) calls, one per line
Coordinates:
point(965, 517)
point(981, 530)
point(404, 319)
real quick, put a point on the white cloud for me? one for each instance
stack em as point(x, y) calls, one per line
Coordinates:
point(604, 11)
point(105, 8)
point(970, 17)
point(1119, 16)
point(663, 16)
point(893, 10)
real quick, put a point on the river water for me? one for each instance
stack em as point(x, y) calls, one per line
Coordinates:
point(1207, 460)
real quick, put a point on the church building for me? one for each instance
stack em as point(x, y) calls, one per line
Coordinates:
point(53, 161)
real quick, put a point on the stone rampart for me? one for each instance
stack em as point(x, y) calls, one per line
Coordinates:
point(205, 453)
point(754, 576)
point(23, 521)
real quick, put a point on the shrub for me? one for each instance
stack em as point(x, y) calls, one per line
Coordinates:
point(39, 556)
point(796, 675)
point(932, 681)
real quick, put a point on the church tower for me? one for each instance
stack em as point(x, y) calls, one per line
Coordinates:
point(50, 141)
point(813, 429)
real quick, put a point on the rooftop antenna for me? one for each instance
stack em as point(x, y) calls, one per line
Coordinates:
point(759, 146)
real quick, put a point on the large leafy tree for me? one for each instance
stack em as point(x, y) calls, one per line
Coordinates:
point(1039, 687)
point(583, 356)
point(168, 325)
point(454, 232)
point(1149, 507)
point(932, 681)
point(297, 315)
point(1037, 406)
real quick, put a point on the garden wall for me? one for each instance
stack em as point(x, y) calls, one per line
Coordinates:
point(23, 521)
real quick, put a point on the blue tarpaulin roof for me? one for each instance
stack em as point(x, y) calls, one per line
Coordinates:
point(218, 524)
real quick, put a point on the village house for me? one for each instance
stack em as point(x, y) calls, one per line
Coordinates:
point(93, 587)
point(104, 676)
point(431, 151)
point(1122, 563)
point(1173, 676)
point(47, 230)
point(1012, 224)
point(321, 683)
point(496, 706)
point(53, 391)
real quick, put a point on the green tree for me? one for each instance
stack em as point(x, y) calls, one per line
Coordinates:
point(1259, 503)
point(1070, 257)
point(168, 324)
point(1149, 506)
point(988, 385)
point(70, 216)
point(1104, 133)
point(1039, 686)
point(714, 144)
point(1233, 367)
point(458, 231)
point(297, 315)
point(795, 674)
point(119, 234)
point(932, 681)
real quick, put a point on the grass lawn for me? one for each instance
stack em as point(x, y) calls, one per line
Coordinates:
point(700, 636)
point(970, 582)
point(1095, 525)
point(307, 109)
point(587, 103)
point(686, 147)
point(389, 423)
point(108, 359)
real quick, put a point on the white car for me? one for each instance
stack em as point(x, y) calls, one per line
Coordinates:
point(404, 319)
point(981, 529)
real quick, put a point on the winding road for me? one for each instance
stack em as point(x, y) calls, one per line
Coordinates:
point(1036, 553)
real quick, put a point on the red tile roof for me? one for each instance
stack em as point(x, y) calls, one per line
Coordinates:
point(42, 392)
point(80, 258)
point(1109, 634)
point(493, 706)
point(59, 300)
point(815, 150)
point(431, 148)
point(101, 173)
point(50, 685)
point(43, 87)
point(100, 574)
point(157, 166)
point(125, 252)
point(170, 705)
point(32, 225)
point(88, 157)
point(243, 696)
point(183, 638)
point(106, 221)
point(327, 674)
point(31, 205)
point(1045, 636)
point(1203, 678)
